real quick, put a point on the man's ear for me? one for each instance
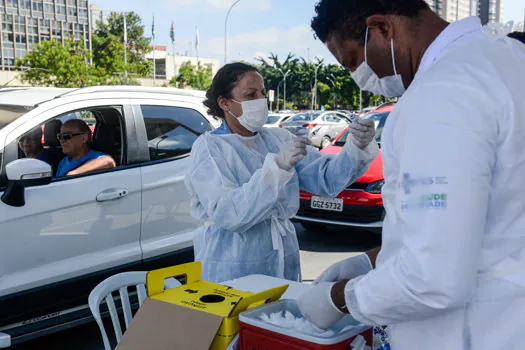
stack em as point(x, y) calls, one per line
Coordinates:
point(381, 25)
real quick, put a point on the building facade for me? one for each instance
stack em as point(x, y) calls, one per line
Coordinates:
point(97, 14)
point(28, 22)
point(167, 66)
point(496, 9)
point(454, 10)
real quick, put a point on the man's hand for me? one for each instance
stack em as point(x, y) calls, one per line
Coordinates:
point(318, 307)
point(347, 269)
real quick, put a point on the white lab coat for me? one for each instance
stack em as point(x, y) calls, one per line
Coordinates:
point(451, 272)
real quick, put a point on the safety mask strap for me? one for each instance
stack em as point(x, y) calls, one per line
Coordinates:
point(233, 115)
point(391, 49)
point(366, 45)
point(393, 55)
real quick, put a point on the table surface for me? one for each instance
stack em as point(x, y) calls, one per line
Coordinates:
point(259, 283)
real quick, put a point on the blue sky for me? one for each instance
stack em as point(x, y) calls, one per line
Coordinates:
point(255, 27)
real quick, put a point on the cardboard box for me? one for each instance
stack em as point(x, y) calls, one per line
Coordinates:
point(198, 315)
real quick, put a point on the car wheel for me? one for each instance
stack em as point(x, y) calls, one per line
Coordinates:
point(325, 142)
point(313, 226)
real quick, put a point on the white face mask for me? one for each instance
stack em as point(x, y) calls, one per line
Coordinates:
point(254, 114)
point(367, 79)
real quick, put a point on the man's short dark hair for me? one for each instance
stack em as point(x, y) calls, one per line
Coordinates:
point(348, 17)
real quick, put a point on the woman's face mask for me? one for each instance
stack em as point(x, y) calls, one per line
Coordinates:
point(368, 80)
point(254, 114)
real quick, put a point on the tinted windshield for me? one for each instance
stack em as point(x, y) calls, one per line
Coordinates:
point(272, 119)
point(376, 116)
point(379, 118)
point(302, 117)
point(9, 114)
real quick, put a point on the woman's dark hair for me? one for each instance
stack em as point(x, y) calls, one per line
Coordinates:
point(518, 36)
point(223, 83)
point(348, 17)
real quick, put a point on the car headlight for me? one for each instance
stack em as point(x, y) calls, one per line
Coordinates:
point(375, 187)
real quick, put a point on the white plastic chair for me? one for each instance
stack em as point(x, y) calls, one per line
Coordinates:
point(120, 282)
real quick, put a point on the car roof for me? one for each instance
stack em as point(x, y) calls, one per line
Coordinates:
point(39, 99)
point(388, 108)
point(383, 109)
point(32, 96)
point(29, 96)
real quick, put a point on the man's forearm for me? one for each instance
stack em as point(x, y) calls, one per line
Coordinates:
point(101, 163)
point(338, 290)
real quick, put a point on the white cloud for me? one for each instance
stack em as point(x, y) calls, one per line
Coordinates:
point(297, 40)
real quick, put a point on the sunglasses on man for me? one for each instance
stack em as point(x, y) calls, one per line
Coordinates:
point(66, 136)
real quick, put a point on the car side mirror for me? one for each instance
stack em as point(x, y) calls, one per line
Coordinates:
point(24, 173)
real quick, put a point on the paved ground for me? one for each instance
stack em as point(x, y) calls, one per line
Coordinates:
point(318, 251)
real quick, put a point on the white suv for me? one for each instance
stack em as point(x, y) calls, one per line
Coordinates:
point(61, 236)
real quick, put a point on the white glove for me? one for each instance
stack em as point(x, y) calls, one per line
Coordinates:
point(317, 306)
point(292, 153)
point(363, 132)
point(347, 269)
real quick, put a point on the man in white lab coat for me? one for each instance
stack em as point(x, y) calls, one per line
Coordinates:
point(450, 273)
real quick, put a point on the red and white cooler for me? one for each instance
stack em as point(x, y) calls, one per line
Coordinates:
point(255, 334)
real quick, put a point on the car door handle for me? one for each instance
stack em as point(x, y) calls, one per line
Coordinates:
point(112, 194)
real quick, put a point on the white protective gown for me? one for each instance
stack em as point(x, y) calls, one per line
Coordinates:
point(247, 201)
point(451, 272)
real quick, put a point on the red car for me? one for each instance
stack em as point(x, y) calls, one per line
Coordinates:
point(361, 204)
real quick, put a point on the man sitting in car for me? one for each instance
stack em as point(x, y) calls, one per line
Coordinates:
point(75, 138)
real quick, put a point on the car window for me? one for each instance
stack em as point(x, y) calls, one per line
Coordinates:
point(302, 117)
point(298, 118)
point(10, 113)
point(342, 119)
point(105, 134)
point(171, 131)
point(376, 116)
point(336, 119)
point(272, 119)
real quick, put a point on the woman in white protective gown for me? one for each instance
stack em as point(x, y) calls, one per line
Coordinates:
point(244, 180)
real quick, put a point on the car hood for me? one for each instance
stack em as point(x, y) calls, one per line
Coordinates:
point(374, 172)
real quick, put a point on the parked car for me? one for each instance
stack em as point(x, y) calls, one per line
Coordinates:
point(323, 127)
point(275, 120)
point(361, 204)
point(62, 236)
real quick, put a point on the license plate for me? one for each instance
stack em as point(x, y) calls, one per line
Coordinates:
point(330, 204)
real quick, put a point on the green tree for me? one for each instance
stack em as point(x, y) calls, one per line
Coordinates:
point(272, 70)
point(199, 77)
point(335, 86)
point(54, 64)
point(108, 45)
